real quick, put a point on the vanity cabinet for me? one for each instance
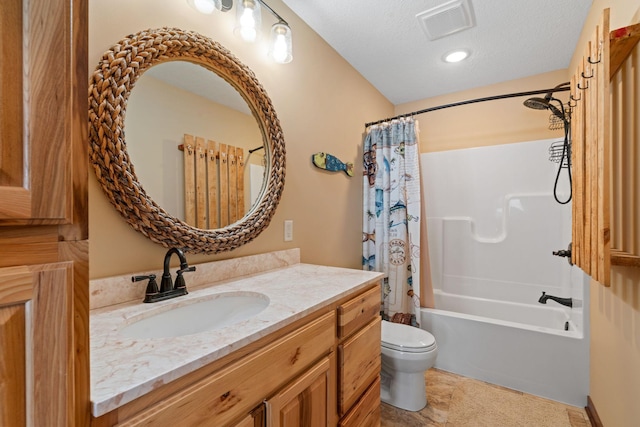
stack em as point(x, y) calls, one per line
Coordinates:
point(290, 378)
point(44, 289)
point(359, 362)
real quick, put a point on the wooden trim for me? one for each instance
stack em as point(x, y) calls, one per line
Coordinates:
point(202, 219)
point(41, 253)
point(13, 369)
point(78, 253)
point(224, 185)
point(622, 41)
point(189, 148)
point(11, 87)
point(591, 157)
point(52, 329)
point(592, 413)
point(623, 258)
point(16, 285)
point(50, 76)
point(212, 183)
point(604, 157)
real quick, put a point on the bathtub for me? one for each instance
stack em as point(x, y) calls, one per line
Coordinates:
point(520, 346)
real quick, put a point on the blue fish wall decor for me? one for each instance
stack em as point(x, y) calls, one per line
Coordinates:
point(331, 163)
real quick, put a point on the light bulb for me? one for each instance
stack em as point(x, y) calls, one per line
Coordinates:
point(280, 47)
point(205, 6)
point(248, 19)
point(248, 25)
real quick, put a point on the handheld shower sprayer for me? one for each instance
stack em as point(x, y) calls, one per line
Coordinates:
point(545, 103)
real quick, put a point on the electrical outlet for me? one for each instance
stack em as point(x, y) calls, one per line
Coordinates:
point(288, 230)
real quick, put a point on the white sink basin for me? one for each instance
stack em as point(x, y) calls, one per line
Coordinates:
point(200, 315)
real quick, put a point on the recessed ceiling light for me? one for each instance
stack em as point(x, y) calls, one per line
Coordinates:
point(456, 56)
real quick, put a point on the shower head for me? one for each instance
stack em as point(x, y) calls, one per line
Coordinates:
point(537, 103)
point(545, 104)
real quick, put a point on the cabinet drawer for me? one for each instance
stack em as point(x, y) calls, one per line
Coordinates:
point(233, 391)
point(365, 413)
point(357, 312)
point(358, 363)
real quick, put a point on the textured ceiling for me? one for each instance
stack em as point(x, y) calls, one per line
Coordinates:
point(384, 41)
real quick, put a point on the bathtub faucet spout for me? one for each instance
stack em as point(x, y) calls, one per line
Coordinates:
point(564, 301)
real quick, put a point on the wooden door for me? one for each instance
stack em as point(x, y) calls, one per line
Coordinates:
point(44, 337)
point(37, 345)
point(358, 364)
point(304, 403)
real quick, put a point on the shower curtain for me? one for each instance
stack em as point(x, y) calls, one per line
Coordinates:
point(391, 216)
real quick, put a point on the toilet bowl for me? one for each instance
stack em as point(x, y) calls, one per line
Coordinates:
point(407, 352)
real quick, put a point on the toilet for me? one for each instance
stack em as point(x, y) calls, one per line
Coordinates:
point(407, 352)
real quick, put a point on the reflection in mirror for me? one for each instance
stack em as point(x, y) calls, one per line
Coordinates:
point(172, 101)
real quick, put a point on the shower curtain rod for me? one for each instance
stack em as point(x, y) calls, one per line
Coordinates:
point(471, 101)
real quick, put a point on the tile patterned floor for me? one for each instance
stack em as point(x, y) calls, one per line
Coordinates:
point(456, 401)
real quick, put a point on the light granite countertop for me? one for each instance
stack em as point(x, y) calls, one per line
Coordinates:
point(123, 369)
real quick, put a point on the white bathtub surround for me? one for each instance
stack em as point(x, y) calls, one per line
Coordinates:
point(123, 369)
point(492, 230)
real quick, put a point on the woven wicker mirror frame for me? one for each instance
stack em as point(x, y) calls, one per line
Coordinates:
point(110, 87)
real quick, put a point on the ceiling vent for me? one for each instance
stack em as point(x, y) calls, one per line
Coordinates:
point(447, 19)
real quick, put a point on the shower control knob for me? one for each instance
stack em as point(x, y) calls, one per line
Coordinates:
point(564, 253)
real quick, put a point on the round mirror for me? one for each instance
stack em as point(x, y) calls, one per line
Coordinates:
point(111, 153)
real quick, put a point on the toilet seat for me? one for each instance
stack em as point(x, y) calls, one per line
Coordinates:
point(396, 336)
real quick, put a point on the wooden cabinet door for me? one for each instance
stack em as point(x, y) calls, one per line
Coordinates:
point(38, 91)
point(304, 403)
point(44, 289)
point(358, 364)
point(36, 345)
point(366, 412)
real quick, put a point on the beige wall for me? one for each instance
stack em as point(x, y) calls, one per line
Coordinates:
point(322, 104)
point(486, 123)
point(615, 311)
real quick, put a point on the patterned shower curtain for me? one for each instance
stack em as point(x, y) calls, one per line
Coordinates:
point(391, 216)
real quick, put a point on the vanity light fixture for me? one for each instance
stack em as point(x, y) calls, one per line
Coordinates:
point(455, 56)
point(248, 20)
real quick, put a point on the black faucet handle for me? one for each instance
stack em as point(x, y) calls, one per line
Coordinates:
point(180, 283)
point(186, 269)
point(152, 286)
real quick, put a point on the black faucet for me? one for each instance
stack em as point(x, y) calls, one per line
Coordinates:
point(564, 301)
point(168, 289)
